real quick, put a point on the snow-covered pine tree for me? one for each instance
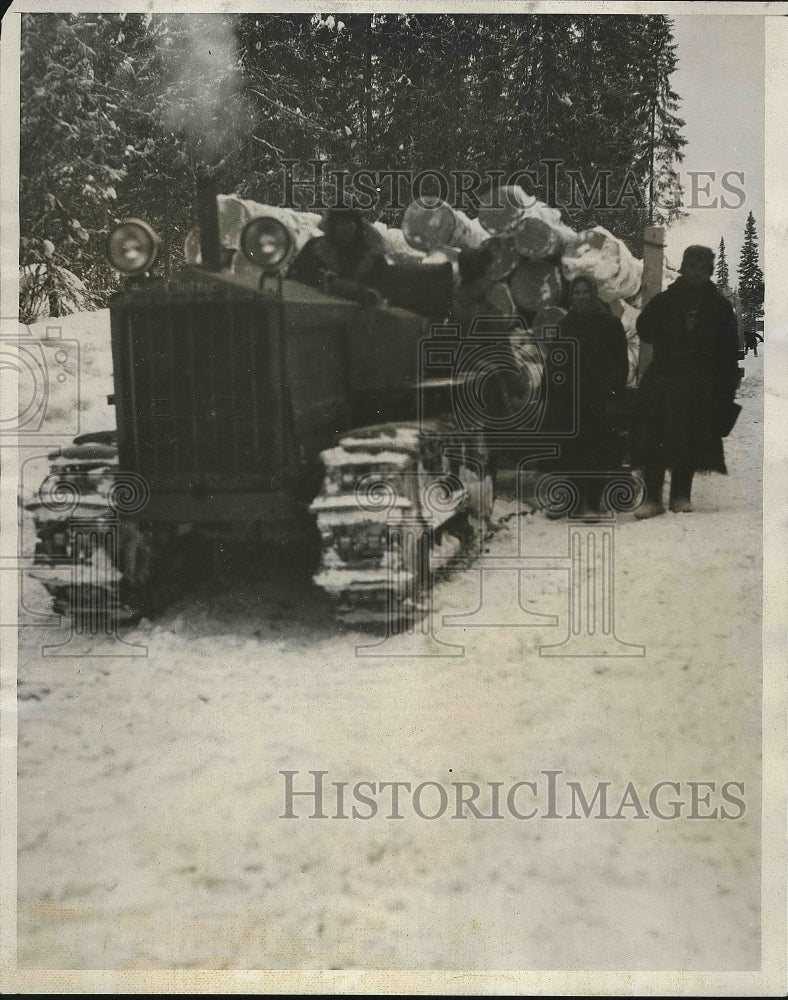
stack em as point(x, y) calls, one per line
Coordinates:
point(723, 276)
point(751, 287)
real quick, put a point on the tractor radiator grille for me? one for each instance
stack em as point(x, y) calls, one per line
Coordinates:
point(193, 391)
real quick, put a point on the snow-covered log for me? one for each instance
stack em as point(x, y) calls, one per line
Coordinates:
point(396, 248)
point(599, 255)
point(429, 225)
point(540, 235)
point(628, 315)
point(235, 212)
point(508, 205)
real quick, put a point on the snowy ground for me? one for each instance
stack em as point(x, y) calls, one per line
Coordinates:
point(149, 792)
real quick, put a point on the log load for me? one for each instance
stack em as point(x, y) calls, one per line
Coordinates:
point(534, 252)
point(526, 231)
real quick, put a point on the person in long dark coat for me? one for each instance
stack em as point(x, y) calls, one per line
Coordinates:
point(688, 389)
point(342, 262)
point(592, 401)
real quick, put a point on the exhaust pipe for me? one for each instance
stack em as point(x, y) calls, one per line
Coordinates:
point(208, 221)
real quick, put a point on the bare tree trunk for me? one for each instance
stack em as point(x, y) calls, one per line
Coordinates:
point(651, 141)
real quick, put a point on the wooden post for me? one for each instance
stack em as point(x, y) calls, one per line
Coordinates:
point(653, 263)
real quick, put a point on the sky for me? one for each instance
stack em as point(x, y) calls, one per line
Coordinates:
point(720, 78)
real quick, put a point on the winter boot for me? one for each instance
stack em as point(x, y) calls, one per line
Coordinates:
point(652, 506)
point(680, 491)
point(649, 509)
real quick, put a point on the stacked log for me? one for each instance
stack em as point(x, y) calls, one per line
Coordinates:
point(532, 248)
point(532, 234)
point(599, 255)
point(526, 237)
point(536, 239)
point(528, 240)
point(549, 253)
point(432, 224)
point(507, 206)
point(535, 229)
point(534, 252)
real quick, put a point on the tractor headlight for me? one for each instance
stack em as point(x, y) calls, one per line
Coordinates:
point(267, 243)
point(133, 247)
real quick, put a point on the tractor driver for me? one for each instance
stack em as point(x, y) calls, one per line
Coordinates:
point(342, 262)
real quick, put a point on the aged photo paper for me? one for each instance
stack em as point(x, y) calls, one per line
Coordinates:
point(394, 551)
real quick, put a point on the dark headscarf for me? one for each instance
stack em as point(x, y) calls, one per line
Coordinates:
point(597, 305)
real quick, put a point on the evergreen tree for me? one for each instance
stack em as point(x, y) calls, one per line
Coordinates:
point(71, 154)
point(751, 287)
point(508, 93)
point(120, 111)
point(723, 277)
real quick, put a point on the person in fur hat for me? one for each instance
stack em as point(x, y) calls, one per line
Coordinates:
point(342, 262)
point(688, 389)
